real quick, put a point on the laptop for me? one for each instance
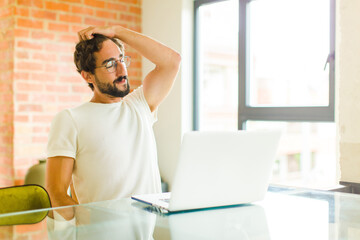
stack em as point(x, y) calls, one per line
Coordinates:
point(217, 169)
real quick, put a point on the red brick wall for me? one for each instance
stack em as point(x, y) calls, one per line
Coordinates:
point(6, 92)
point(39, 78)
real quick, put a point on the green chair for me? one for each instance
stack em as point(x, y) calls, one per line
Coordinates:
point(23, 198)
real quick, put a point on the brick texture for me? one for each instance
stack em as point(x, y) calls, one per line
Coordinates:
point(7, 49)
point(37, 74)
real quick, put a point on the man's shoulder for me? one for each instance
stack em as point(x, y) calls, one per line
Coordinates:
point(136, 97)
point(134, 94)
point(70, 112)
point(79, 107)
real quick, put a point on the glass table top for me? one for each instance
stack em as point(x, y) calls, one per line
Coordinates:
point(283, 214)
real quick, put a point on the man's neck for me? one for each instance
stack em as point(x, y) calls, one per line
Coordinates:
point(104, 98)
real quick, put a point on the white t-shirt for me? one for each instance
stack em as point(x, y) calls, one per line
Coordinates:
point(113, 146)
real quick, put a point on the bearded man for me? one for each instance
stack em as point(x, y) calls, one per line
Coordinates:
point(105, 148)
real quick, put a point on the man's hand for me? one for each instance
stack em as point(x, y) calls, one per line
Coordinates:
point(87, 33)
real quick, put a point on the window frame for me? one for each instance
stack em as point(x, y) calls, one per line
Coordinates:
point(247, 112)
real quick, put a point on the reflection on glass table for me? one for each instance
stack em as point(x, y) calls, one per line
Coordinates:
point(284, 214)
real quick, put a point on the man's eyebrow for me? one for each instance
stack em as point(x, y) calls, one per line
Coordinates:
point(110, 59)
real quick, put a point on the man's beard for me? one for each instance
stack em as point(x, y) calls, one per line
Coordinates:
point(111, 89)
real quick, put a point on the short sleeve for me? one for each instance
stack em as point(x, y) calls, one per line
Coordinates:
point(137, 97)
point(63, 136)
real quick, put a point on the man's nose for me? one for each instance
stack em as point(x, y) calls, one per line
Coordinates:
point(120, 68)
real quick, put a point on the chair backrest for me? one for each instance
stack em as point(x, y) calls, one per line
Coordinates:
point(23, 198)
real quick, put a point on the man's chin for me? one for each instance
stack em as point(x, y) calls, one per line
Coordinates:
point(116, 89)
point(125, 91)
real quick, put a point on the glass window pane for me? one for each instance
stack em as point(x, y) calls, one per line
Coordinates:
point(306, 155)
point(217, 48)
point(289, 44)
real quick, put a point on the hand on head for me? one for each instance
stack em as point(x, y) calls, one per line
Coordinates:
point(87, 33)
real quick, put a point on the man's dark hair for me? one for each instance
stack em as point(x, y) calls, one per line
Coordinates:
point(84, 53)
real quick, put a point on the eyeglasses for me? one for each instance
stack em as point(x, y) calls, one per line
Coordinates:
point(111, 65)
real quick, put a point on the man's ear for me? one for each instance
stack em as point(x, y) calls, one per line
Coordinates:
point(88, 77)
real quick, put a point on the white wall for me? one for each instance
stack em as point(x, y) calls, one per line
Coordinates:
point(170, 22)
point(347, 82)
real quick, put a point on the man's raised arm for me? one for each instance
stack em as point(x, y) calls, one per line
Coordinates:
point(158, 83)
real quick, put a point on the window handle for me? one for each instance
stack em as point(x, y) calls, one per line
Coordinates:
point(328, 59)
